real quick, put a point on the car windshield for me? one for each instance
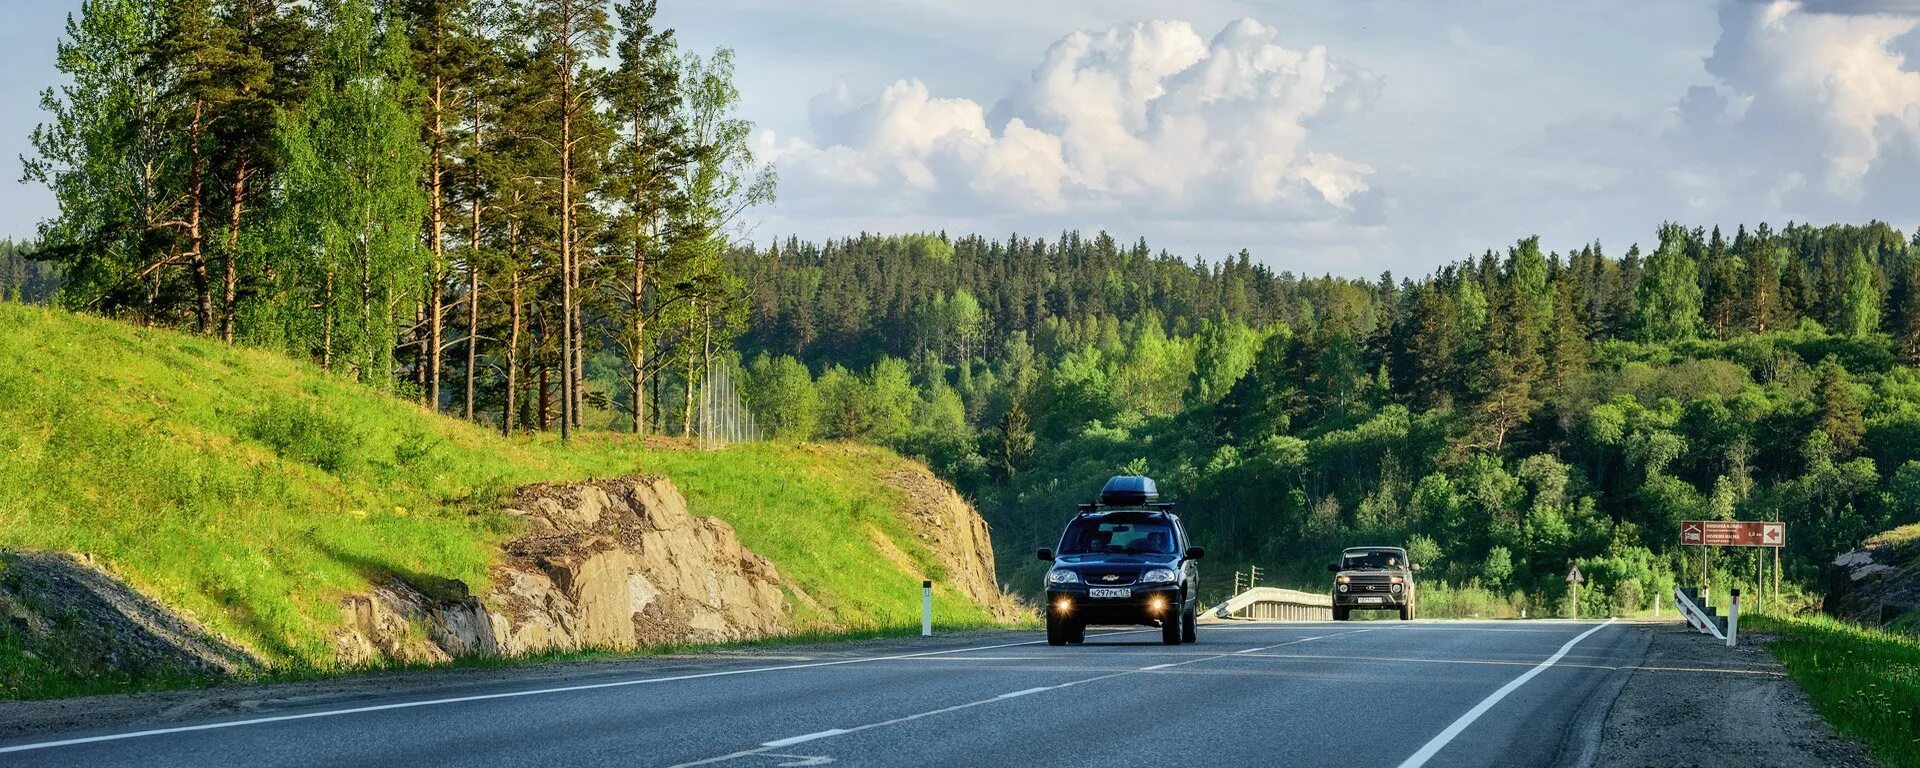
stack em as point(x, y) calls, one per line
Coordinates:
point(1138, 536)
point(1362, 559)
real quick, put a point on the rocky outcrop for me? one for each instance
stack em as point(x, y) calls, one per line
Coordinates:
point(959, 538)
point(74, 618)
point(1880, 582)
point(615, 564)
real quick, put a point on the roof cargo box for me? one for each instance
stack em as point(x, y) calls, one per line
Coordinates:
point(1129, 491)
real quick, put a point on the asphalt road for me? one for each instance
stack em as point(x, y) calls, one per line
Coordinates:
point(1350, 694)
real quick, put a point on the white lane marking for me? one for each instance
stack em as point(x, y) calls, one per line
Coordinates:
point(792, 740)
point(1154, 667)
point(731, 756)
point(1251, 650)
point(511, 695)
point(1439, 742)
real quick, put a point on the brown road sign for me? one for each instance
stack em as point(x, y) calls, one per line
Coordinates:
point(1733, 533)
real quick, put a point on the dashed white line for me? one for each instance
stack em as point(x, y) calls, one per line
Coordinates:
point(731, 756)
point(792, 740)
point(1440, 742)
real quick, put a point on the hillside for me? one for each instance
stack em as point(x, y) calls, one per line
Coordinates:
point(253, 494)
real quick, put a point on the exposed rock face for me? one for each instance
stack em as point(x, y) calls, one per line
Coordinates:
point(613, 564)
point(960, 538)
point(1880, 582)
point(71, 615)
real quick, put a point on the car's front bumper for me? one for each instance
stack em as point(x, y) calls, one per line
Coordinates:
point(1146, 605)
point(1373, 601)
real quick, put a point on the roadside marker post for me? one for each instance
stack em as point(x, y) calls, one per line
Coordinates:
point(1733, 619)
point(926, 608)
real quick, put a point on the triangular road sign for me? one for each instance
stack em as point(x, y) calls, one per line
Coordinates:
point(1574, 577)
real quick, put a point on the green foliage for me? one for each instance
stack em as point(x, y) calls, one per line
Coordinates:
point(252, 492)
point(1865, 682)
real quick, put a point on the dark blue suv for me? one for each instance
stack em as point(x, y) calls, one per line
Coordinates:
point(1124, 559)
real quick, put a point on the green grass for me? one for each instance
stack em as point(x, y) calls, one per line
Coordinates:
point(1864, 681)
point(252, 492)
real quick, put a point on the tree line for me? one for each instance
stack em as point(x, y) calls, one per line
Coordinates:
point(1528, 409)
point(487, 204)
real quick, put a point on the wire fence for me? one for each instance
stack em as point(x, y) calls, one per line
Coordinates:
point(723, 418)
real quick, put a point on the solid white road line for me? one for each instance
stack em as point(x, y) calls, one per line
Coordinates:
point(731, 756)
point(1154, 667)
point(1446, 737)
point(515, 694)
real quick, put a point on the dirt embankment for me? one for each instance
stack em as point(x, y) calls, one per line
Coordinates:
point(1695, 702)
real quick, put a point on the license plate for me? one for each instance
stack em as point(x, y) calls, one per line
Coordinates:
point(1109, 592)
point(1373, 599)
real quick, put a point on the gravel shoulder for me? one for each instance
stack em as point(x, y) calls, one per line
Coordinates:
point(20, 720)
point(1695, 702)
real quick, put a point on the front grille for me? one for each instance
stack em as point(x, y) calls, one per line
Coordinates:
point(1099, 579)
point(1369, 588)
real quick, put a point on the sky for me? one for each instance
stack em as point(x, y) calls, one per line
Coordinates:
point(1349, 137)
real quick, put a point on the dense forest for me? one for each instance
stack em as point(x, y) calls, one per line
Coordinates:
point(530, 213)
point(1504, 417)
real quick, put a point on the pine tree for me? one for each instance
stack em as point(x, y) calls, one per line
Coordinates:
point(644, 92)
point(1762, 256)
point(1841, 417)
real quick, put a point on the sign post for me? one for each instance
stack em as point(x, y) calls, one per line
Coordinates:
point(1733, 533)
point(1574, 578)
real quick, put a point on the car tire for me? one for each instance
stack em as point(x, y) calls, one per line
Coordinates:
point(1406, 613)
point(1340, 614)
point(1170, 630)
point(1056, 630)
point(1076, 632)
point(1189, 628)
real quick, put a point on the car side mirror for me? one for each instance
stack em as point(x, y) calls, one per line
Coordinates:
point(1333, 568)
point(1196, 553)
point(1414, 568)
point(1044, 554)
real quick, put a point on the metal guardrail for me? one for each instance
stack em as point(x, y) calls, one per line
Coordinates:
point(1272, 604)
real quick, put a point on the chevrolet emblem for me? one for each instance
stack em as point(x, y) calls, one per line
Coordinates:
point(1111, 577)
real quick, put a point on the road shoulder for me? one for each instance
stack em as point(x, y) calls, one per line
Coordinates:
point(1695, 702)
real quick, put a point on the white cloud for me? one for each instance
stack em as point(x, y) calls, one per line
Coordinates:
point(1136, 118)
point(1813, 90)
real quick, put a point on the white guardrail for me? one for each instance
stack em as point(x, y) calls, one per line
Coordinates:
point(1271, 604)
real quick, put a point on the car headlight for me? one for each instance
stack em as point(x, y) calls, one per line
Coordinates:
point(1343, 587)
point(1157, 576)
point(1062, 577)
point(1342, 579)
point(1396, 589)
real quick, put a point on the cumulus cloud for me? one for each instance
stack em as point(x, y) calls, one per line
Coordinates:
point(1143, 117)
point(1818, 92)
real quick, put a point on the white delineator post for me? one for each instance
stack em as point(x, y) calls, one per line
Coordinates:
point(1733, 619)
point(926, 608)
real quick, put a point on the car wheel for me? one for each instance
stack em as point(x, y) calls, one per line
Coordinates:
point(1170, 630)
point(1406, 613)
point(1056, 630)
point(1076, 632)
point(1340, 614)
point(1189, 631)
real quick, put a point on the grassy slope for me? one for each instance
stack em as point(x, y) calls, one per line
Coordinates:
point(252, 491)
point(1866, 682)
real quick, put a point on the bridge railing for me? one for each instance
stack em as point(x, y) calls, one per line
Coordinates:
point(1272, 604)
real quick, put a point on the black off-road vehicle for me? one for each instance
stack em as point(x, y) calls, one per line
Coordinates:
point(1373, 579)
point(1124, 559)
